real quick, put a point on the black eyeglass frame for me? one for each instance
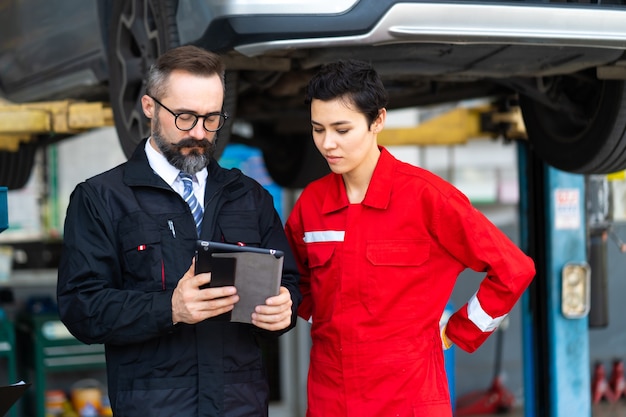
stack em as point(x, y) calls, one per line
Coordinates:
point(223, 117)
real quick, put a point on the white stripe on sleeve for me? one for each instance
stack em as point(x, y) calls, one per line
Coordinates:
point(480, 318)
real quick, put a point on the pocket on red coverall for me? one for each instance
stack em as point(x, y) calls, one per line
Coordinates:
point(325, 279)
point(394, 277)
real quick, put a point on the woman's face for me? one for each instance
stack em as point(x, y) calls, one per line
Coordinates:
point(342, 135)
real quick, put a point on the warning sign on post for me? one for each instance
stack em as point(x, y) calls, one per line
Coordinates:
point(567, 208)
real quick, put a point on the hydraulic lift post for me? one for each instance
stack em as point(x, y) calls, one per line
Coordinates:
point(556, 339)
point(4, 209)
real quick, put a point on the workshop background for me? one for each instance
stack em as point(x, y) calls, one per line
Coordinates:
point(484, 169)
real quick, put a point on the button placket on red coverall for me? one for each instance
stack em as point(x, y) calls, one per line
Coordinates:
point(376, 278)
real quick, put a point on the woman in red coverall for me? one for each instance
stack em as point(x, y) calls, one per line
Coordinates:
point(380, 244)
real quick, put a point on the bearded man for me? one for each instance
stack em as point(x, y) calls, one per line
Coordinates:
point(126, 276)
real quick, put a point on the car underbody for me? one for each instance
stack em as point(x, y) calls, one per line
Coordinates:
point(563, 64)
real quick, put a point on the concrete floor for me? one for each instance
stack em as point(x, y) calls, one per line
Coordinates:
point(610, 410)
point(602, 409)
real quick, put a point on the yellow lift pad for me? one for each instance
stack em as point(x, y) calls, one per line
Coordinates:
point(23, 122)
point(457, 126)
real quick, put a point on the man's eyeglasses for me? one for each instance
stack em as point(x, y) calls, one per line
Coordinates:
point(186, 121)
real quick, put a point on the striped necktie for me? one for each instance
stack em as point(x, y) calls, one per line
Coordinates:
point(190, 198)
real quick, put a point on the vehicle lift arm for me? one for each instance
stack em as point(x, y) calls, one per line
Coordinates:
point(459, 125)
point(26, 127)
point(25, 122)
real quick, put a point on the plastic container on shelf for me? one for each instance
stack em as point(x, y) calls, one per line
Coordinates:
point(54, 402)
point(88, 410)
point(50, 352)
point(105, 409)
point(87, 397)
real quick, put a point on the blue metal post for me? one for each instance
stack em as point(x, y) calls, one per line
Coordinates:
point(450, 362)
point(563, 347)
point(571, 387)
point(4, 209)
point(527, 335)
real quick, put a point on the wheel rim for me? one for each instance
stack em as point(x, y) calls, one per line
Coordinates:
point(136, 46)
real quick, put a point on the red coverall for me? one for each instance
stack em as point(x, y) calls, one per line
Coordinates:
point(376, 278)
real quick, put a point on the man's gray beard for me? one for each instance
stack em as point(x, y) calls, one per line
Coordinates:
point(191, 163)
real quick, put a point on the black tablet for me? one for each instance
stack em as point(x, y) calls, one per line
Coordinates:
point(223, 267)
point(255, 272)
point(207, 246)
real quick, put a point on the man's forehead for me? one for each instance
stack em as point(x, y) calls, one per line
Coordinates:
point(191, 91)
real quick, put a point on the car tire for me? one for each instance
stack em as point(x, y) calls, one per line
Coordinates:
point(294, 161)
point(141, 30)
point(16, 167)
point(587, 137)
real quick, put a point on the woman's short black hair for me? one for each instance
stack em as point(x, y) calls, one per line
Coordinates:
point(352, 80)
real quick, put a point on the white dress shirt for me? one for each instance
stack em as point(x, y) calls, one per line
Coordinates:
point(169, 173)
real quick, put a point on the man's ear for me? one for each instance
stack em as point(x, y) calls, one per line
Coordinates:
point(147, 105)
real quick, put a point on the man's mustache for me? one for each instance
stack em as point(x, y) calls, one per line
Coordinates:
point(192, 143)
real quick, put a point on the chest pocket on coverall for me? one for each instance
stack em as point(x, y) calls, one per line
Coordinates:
point(324, 261)
point(143, 260)
point(394, 277)
point(238, 226)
